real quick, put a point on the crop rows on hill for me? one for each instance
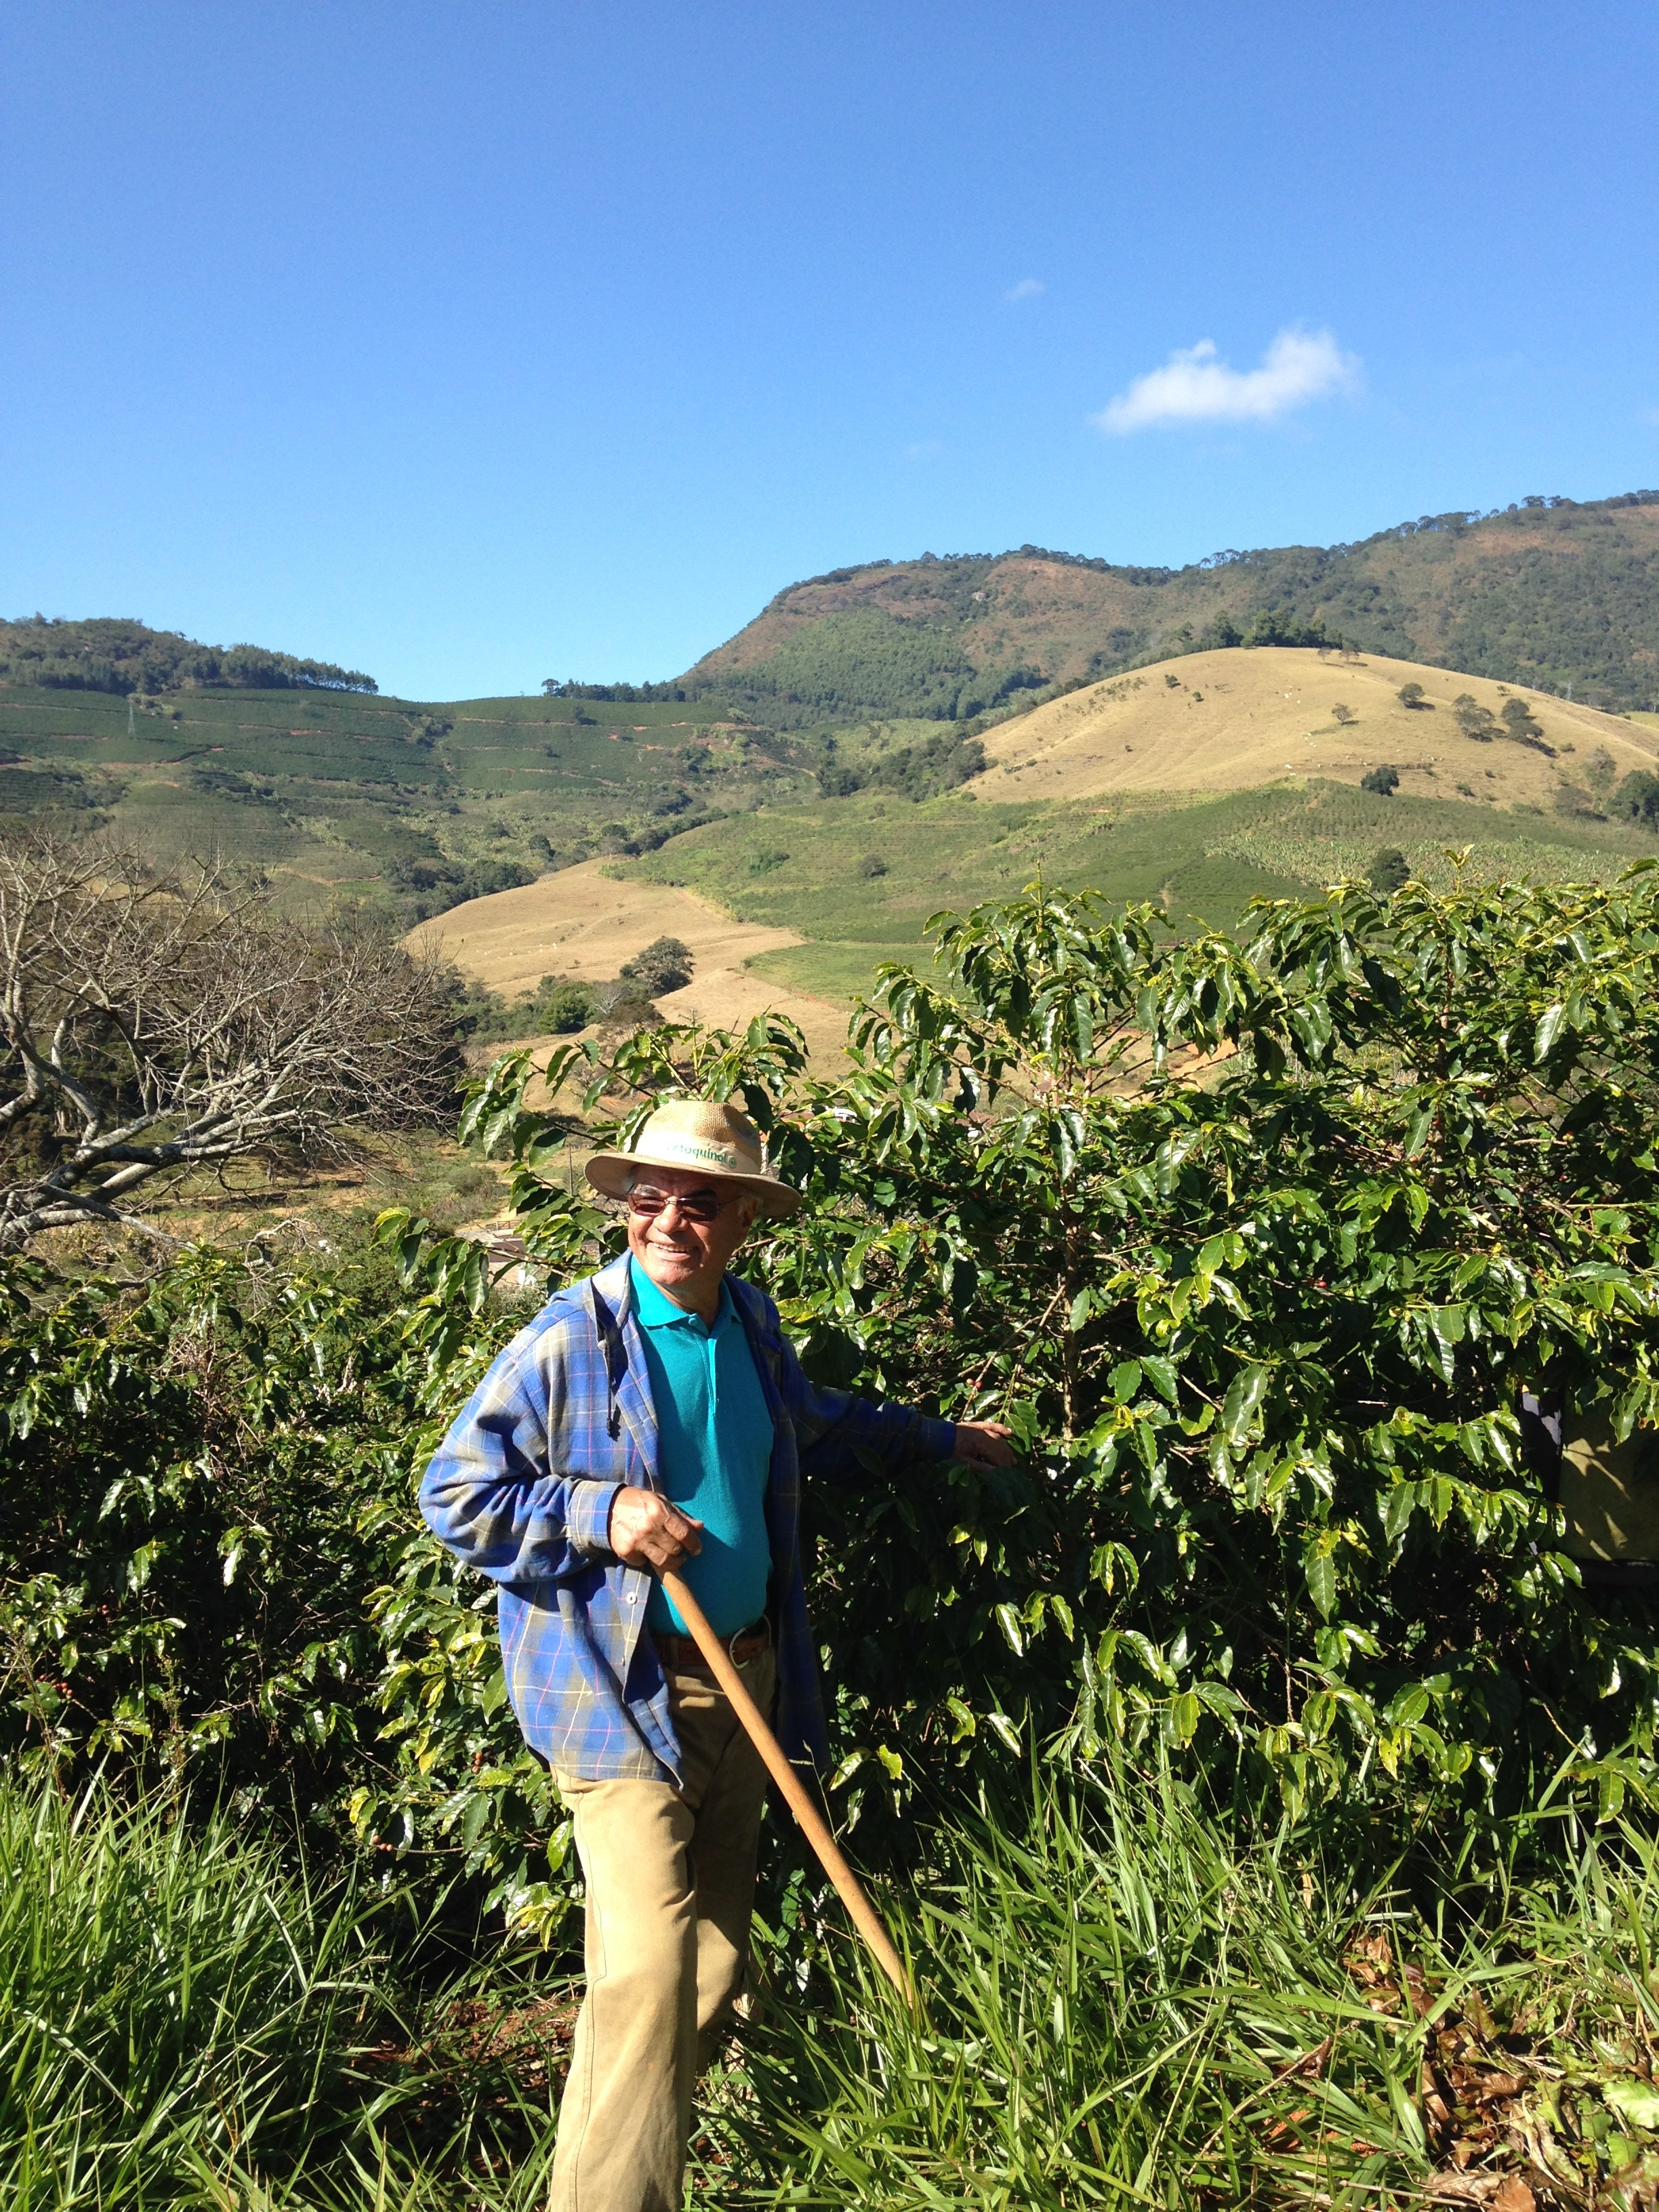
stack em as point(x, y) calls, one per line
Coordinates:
point(875, 680)
point(860, 877)
point(409, 805)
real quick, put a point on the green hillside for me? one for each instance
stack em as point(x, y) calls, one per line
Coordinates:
point(337, 791)
point(1556, 594)
point(857, 876)
point(877, 680)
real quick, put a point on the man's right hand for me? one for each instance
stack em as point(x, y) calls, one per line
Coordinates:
point(646, 1531)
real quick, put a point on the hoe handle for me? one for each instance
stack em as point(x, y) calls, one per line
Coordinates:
point(800, 1802)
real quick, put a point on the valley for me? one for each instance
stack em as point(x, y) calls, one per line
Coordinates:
point(900, 736)
point(1200, 784)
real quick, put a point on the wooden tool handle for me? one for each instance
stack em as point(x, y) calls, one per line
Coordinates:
point(800, 1801)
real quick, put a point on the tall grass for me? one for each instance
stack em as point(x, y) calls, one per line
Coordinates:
point(1122, 2004)
point(187, 2022)
point(1116, 2006)
point(175, 2009)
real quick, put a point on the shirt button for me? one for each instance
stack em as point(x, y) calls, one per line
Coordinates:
point(632, 1594)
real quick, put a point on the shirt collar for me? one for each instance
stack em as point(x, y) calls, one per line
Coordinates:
point(654, 1309)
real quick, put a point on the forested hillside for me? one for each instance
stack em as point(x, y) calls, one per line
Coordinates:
point(1560, 595)
point(110, 655)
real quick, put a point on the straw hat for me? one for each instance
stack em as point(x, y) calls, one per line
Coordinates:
point(693, 1134)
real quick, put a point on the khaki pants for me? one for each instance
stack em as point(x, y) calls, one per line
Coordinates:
point(671, 1885)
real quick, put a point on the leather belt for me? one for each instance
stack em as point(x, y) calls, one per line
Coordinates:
point(680, 1653)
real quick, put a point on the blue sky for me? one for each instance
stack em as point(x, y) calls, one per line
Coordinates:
point(470, 344)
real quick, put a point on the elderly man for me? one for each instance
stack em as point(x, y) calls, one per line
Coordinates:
point(653, 1417)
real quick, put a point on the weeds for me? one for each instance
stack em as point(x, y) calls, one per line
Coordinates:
point(173, 2006)
point(1127, 2006)
point(1125, 2003)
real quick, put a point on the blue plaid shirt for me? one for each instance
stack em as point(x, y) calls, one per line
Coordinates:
point(521, 1489)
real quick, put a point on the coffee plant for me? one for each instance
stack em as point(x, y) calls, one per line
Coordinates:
point(1257, 1240)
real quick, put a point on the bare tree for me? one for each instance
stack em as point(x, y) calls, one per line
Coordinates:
point(151, 1025)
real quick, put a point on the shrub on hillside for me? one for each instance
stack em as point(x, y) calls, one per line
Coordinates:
point(622, 1007)
point(665, 965)
point(923, 771)
point(1388, 870)
point(1474, 720)
point(1638, 796)
point(435, 885)
point(1577, 804)
point(1281, 626)
point(1520, 724)
point(570, 1006)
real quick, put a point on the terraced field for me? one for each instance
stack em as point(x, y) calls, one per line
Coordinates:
point(384, 799)
point(1199, 782)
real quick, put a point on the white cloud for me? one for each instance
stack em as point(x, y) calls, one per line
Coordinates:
point(1028, 288)
point(1193, 386)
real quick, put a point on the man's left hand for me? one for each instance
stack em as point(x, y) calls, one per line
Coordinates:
point(984, 1443)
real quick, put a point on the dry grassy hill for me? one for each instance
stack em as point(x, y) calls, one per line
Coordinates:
point(1234, 720)
point(1225, 770)
point(583, 923)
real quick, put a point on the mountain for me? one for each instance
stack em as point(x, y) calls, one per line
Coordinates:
point(1559, 595)
point(889, 680)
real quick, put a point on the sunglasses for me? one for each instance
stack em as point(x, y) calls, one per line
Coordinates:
point(701, 1206)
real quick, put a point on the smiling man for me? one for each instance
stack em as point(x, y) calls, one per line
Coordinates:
point(653, 1416)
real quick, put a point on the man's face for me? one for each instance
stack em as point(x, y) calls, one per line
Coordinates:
point(685, 1248)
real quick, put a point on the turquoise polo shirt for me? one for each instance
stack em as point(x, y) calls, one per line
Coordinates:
point(714, 1453)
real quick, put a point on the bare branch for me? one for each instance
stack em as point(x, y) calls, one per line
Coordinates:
point(151, 1025)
